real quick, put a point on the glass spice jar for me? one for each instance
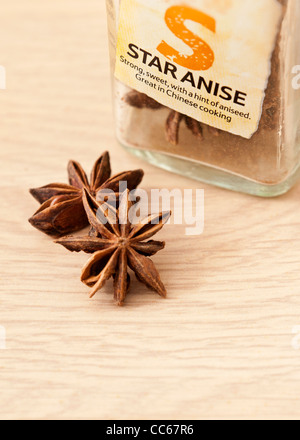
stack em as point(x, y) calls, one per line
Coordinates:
point(210, 88)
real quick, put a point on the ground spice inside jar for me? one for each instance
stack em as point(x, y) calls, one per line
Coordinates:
point(269, 157)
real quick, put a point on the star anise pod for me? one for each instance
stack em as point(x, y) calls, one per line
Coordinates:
point(140, 100)
point(118, 245)
point(173, 122)
point(62, 211)
point(173, 125)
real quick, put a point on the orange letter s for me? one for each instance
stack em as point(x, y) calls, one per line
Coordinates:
point(203, 56)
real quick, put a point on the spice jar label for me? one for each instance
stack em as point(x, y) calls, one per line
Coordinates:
point(207, 59)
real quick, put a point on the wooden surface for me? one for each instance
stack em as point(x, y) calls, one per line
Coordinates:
point(221, 345)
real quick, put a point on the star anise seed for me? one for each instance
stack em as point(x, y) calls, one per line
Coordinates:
point(62, 210)
point(118, 245)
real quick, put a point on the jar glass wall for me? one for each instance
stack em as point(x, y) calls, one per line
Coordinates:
point(267, 164)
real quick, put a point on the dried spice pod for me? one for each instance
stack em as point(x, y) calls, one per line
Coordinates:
point(195, 127)
point(62, 210)
point(172, 127)
point(141, 100)
point(118, 245)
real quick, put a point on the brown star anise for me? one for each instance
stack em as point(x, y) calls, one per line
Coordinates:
point(62, 210)
point(173, 122)
point(140, 100)
point(118, 245)
point(173, 126)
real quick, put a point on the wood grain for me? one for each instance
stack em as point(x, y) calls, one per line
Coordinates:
point(220, 346)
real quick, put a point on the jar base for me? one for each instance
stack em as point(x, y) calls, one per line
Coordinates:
point(216, 177)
